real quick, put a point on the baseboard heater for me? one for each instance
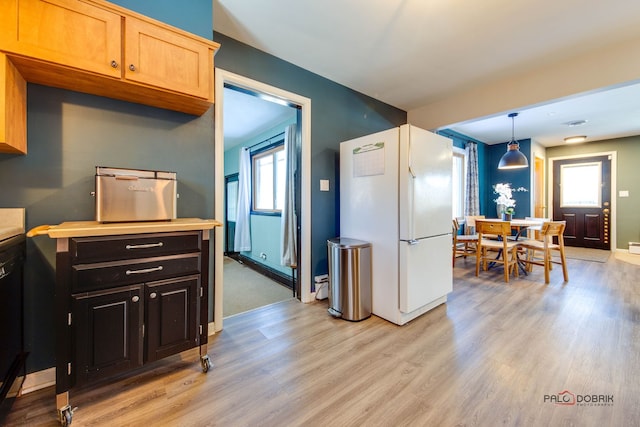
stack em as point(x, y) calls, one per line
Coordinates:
point(634, 248)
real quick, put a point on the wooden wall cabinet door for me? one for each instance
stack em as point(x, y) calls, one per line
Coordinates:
point(107, 332)
point(172, 316)
point(13, 109)
point(71, 33)
point(161, 57)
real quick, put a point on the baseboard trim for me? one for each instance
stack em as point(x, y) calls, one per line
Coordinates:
point(271, 273)
point(38, 380)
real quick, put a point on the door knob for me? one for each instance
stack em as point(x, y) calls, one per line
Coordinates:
point(135, 298)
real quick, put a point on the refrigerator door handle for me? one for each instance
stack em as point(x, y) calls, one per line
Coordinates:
point(413, 174)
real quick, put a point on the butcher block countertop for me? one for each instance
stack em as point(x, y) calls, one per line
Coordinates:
point(95, 228)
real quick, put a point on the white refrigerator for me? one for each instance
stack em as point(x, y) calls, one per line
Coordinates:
point(395, 192)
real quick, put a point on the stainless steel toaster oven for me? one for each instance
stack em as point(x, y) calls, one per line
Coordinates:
point(124, 195)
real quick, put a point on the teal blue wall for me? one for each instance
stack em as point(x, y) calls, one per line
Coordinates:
point(194, 16)
point(516, 177)
point(68, 134)
point(489, 174)
point(265, 229)
point(337, 114)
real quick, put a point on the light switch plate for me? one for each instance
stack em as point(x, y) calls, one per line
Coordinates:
point(324, 185)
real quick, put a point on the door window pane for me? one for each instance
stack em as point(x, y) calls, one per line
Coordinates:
point(581, 185)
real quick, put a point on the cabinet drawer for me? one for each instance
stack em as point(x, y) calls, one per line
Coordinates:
point(87, 277)
point(109, 248)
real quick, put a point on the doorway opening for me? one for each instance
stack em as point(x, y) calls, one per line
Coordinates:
point(582, 193)
point(229, 85)
point(257, 133)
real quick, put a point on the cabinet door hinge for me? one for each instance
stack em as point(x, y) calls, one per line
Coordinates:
point(69, 318)
point(200, 329)
point(69, 368)
point(201, 293)
point(143, 330)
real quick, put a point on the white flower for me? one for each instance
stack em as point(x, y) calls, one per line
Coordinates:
point(505, 196)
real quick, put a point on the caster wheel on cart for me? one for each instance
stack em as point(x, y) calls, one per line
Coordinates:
point(66, 416)
point(206, 363)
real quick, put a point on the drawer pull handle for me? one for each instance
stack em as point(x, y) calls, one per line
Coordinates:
point(152, 295)
point(135, 298)
point(144, 270)
point(145, 246)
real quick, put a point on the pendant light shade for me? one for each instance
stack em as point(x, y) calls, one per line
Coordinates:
point(513, 158)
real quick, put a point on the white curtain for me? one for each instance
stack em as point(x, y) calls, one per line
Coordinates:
point(288, 250)
point(472, 193)
point(242, 239)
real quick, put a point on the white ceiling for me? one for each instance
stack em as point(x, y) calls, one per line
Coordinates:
point(247, 116)
point(409, 53)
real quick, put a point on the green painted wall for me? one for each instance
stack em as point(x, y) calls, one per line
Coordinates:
point(628, 161)
point(337, 114)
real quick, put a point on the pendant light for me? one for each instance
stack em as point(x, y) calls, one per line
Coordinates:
point(513, 158)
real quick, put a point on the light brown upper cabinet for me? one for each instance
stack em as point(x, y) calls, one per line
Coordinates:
point(161, 57)
point(96, 47)
point(13, 109)
point(70, 33)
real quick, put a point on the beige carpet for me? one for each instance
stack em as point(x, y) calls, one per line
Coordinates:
point(627, 257)
point(245, 290)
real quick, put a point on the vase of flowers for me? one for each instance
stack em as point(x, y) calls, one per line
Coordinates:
point(505, 203)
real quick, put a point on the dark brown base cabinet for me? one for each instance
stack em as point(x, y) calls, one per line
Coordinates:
point(127, 300)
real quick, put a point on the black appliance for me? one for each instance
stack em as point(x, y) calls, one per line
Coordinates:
point(12, 354)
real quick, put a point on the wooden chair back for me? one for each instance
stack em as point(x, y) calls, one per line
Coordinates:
point(507, 250)
point(464, 245)
point(533, 232)
point(470, 223)
point(493, 228)
point(456, 226)
point(549, 231)
point(553, 229)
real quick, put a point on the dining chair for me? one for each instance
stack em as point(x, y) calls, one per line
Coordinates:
point(464, 245)
point(501, 251)
point(470, 223)
point(550, 231)
point(535, 228)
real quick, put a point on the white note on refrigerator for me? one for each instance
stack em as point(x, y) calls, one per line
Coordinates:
point(368, 160)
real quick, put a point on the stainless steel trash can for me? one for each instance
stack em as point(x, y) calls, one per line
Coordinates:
point(349, 278)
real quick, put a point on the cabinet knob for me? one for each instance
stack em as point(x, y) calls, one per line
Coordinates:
point(114, 64)
point(152, 295)
point(132, 67)
point(135, 298)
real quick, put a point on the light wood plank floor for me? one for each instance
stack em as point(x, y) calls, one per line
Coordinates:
point(488, 357)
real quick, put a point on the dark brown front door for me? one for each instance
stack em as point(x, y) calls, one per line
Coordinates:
point(582, 198)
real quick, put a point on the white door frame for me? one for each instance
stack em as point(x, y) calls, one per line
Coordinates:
point(222, 77)
point(614, 191)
